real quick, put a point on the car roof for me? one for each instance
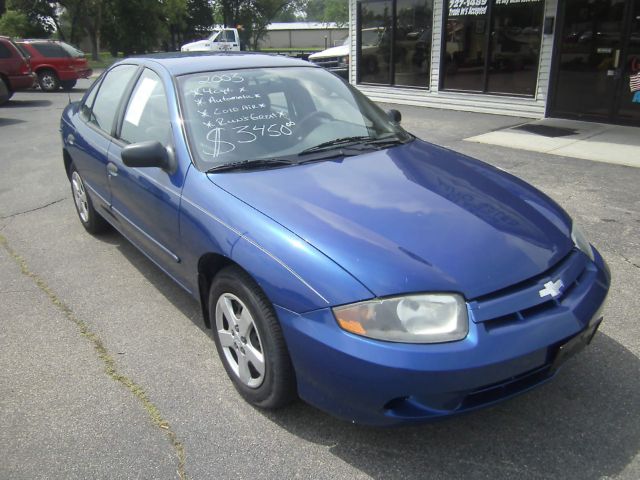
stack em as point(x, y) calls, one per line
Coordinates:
point(35, 40)
point(182, 63)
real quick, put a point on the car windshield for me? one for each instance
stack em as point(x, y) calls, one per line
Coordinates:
point(213, 35)
point(72, 51)
point(273, 113)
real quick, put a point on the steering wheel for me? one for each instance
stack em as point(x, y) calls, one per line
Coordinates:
point(305, 125)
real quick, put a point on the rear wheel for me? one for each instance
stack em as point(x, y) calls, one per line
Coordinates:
point(90, 219)
point(249, 340)
point(68, 84)
point(48, 81)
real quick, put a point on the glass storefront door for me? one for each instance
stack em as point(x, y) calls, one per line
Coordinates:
point(597, 58)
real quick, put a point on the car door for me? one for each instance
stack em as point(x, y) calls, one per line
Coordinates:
point(146, 200)
point(89, 144)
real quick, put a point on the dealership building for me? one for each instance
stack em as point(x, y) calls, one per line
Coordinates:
point(533, 58)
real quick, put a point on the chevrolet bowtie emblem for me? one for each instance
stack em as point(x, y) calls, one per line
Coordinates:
point(552, 288)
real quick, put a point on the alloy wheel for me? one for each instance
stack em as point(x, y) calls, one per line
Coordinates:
point(80, 196)
point(240, 340)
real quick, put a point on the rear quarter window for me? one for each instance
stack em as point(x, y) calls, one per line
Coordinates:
point(50, 50)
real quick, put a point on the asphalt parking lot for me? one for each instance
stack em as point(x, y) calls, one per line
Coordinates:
point(107, 370)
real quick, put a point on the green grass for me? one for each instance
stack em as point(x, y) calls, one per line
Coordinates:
point(105, 60)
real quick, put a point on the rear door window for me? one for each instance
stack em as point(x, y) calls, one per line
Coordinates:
point(108, 97)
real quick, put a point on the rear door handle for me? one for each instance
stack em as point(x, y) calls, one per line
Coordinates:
point(112, 169)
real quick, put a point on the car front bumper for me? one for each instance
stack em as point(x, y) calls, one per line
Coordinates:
point(382, 383)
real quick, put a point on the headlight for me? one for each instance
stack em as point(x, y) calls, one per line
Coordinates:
point(344, 60)
point(426, 318)
point(580, 240)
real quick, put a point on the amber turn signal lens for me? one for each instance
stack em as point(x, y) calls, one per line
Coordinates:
point(352, 326)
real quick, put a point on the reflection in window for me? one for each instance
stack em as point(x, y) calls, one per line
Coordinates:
point(395, 53)
point(515, 46)
point(464, 55)
point(375, 52)
point(413, 42)
point(147, 116)
point(111, 90)
point(510, 29)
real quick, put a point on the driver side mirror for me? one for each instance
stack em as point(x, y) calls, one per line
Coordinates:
point(394, 115)
point(148, 154)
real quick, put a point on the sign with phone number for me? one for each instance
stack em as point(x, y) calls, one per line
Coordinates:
point(462, 8)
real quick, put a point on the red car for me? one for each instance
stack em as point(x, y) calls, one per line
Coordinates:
point(57, 64)
point(15, 69)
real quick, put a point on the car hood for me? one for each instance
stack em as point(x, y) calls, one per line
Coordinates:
point(339, 51)
point(413, 218)
point(198, 44)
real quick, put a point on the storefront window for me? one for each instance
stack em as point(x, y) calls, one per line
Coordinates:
point(492, 45)
point(376, 18)
point(395, 42)
point(465, 46)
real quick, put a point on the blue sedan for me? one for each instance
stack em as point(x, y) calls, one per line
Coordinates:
point(336, 257)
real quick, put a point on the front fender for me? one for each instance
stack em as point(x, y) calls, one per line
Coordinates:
point(292, 273)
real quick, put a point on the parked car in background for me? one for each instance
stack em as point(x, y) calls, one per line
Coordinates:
point(382, 278)
point(335, 59)
point(57, 64)
point(15, 68)
point(221, 40)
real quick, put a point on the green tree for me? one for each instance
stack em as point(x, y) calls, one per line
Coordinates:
point(327, 11)
point(253, 15)
point(14, 24)
point(175, 12)
point(134, 27)
point(42, 16)
point(199, 19)
point(336, 11)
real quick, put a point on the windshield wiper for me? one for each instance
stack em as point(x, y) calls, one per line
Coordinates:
point(251, 164)
point(391, 139)
point(338, 142)
point(361, 142)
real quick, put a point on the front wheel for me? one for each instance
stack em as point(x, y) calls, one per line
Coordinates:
point(90, 219)
point(249, 340)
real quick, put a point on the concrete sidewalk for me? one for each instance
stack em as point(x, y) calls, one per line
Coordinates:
point(570, 138)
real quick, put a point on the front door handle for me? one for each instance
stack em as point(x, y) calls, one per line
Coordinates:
point(112, 169)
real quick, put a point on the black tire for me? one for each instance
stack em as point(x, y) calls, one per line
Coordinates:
point(90, 219)
point(4, 88)
point(48, 81)
point(278, 387)
point(68, 85)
